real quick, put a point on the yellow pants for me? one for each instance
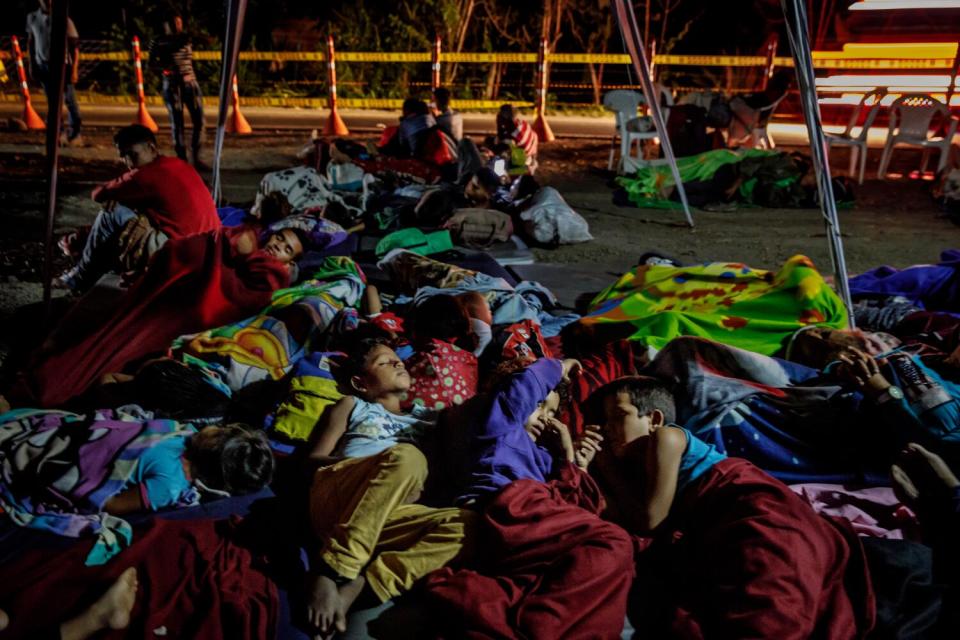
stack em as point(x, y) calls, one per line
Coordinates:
point(359, 509)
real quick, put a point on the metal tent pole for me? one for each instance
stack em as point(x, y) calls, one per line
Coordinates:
point(627, 22)
point(795, 12)
point(236, 10)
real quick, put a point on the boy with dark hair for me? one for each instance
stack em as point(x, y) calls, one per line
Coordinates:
point(173, 54)
point(167, 192)
point(735, 553)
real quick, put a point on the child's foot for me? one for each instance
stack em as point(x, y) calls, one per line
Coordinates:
point(324, 606)
point(111, 611)
point(4, 620)
point(349, 593)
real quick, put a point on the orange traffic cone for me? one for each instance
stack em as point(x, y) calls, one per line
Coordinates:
point(236, 123)
point(335, 125)
point(143, 116)
point(30, 116)
point(542, 128)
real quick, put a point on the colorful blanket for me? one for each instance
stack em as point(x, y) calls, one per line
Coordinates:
point(268, 345)
point(58, 469)
point(727, 302)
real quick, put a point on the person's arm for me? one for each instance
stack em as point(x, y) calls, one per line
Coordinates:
point(126, 502)
point(661, 469)
point(325, 436)
point(513, 403)
point(128, 189)
point(73, 47)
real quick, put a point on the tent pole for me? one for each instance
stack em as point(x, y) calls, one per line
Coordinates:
point(57, 71)
point(795, 12)
point(627, 21)
point(236, 10)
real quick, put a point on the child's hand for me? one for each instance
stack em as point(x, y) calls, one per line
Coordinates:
point(587, 446)
point(571, 367)
point(862, 370)
point(562, 433)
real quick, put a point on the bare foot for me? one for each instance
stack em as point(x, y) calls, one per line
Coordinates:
point(111, 611)
point(4, 620)
point(349, 593)
point(324, 605)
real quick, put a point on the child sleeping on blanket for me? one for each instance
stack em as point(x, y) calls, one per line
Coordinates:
point(72, 474)
point(366, 476)
point(551, 568)
point(729, 540)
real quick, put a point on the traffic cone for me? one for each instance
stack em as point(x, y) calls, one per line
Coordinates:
point(30, 116)
point(335, 125)
point(143, 116)
point(236, 123)
point(542, 128)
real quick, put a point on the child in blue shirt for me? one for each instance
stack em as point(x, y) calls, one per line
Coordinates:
point(733, 548)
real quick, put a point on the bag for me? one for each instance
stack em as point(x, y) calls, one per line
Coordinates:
point(687, 130)
point(549, 220)
point(415, 241)
point(479, 228)
point(438, 148)
point(520, 341)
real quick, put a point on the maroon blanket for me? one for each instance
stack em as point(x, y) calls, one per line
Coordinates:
point(753, 560)
point(194, 582)
point(551, 567)
point(193, 283)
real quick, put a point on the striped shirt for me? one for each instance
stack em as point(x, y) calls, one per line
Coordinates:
point(174, 54)
point(525, 137)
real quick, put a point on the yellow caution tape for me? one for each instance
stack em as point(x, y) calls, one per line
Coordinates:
point(555, 58)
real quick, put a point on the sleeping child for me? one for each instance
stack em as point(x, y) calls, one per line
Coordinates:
point(367, 475)
point(73, 475)
point(734, 549)
point(551, 568)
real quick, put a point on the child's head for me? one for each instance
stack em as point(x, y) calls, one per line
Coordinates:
point(232, 459)
point(372, 369)
point(633, 408)
point(441, 317)
point(482, 185)
point(538, 421)
point(414, 107)
point(274, 207)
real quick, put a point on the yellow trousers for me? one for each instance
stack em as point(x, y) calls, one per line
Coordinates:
point(360, 509)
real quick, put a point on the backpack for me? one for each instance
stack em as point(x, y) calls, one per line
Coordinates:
point(479, 228)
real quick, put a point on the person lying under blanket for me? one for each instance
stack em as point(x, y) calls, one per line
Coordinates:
point(166, 192)
point(193, 284)
point(77, 475)
point(735, 553)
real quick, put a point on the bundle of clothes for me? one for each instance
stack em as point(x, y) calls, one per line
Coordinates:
point(308, 443)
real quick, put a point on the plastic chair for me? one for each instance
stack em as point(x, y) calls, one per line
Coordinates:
point(858, 143)
point(625, 105)
point(911, 116)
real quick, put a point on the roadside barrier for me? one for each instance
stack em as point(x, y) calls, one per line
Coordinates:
point(335, 125)
point(236, 123)
point(30, 116)
point(143, 116)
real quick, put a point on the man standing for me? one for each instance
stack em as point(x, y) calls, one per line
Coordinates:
point(173, 53)
point(38, 43)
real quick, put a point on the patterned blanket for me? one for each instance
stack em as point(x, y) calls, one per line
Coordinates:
point(727, 302)
point(58, 469)
point(268, 345)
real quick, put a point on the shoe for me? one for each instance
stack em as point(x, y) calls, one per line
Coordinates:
point(76, 141)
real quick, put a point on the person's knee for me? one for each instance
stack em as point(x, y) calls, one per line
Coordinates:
point(407, 458)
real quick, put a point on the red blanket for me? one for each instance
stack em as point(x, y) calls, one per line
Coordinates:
point(193, 283)
point(551, 567)
point(194, 583)
point(604, 365)
point(753, 560)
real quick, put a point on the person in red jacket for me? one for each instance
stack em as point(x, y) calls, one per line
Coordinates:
point(167, 192)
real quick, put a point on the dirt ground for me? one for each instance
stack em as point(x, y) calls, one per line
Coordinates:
point(894, 222)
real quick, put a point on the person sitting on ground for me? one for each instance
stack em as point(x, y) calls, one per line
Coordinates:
point(552, 567)
point(367, 474)
point(513, 129)
point(110, 612)
point(728, 540)
point(449, 121)
point(415, 122)
point(113, 463)
point(168, 192)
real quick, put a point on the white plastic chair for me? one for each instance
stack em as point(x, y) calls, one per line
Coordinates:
point(858, 143)
point(910, 118)
point(761, 137)
point(625, 105)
